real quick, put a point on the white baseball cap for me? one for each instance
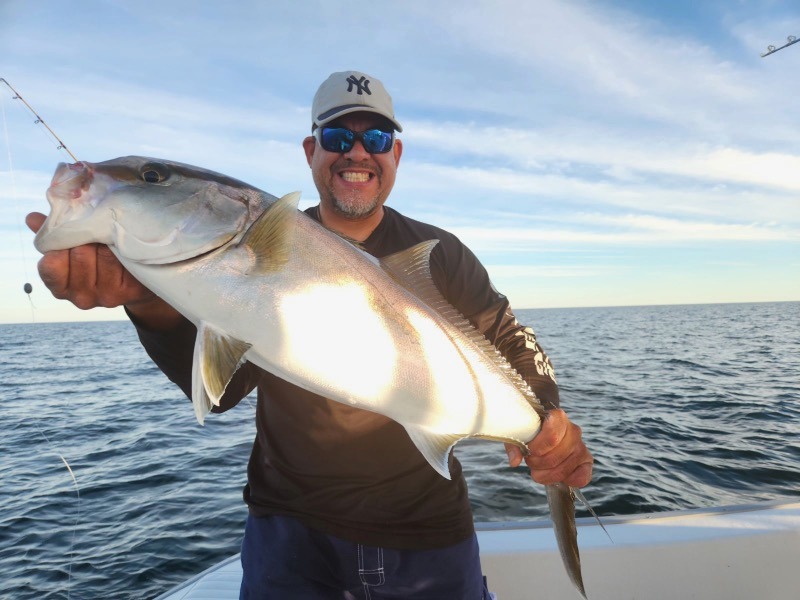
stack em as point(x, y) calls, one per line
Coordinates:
point(347, 92)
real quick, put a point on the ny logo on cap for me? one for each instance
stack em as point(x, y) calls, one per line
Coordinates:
point(362, 85)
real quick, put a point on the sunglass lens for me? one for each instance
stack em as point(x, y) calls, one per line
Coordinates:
point(337, 139)
point(341, 139)
point(377, 141)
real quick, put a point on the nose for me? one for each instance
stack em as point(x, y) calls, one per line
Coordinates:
point(357, 152)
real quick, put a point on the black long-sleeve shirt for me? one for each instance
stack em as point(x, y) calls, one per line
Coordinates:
point(350, 472)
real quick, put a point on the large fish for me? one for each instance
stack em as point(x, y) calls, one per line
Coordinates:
point(257, 276)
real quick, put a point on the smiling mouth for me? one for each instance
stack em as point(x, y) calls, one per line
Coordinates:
point(355, 177)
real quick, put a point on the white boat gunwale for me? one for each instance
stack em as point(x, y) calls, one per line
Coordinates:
point(718, 553)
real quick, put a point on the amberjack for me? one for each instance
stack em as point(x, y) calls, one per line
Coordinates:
point(257, 277)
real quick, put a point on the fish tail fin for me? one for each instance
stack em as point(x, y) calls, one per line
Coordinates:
point(561, 499)
point(577, 493)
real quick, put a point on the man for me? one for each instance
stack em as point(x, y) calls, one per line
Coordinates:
point(342, 504)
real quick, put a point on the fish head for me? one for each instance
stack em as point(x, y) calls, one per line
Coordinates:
point(148, 210)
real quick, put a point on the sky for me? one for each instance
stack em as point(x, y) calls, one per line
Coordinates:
point(590, 153)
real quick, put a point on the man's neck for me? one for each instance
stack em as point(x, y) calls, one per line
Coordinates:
point(355, 229)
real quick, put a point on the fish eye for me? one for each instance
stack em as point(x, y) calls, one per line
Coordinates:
point(154, 172)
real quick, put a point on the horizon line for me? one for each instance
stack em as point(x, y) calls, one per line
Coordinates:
point(515, 310)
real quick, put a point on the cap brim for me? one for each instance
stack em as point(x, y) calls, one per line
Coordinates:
point(335, 113)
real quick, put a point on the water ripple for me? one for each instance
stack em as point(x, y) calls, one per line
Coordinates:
point(683, 407)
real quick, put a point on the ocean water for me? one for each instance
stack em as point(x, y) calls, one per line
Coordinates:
point(682, 406)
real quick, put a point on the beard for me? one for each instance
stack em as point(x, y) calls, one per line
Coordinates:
point(356, 205)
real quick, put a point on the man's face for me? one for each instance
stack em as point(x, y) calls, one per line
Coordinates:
point(354, 184)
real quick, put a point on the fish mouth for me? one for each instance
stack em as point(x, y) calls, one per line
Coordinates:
point(69, 207)
point(70, 180)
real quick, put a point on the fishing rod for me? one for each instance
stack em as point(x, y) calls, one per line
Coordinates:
point(61, 145)
point(772, 49)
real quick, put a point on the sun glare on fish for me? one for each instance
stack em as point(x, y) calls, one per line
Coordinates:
point(331, 349)
point(453, 382)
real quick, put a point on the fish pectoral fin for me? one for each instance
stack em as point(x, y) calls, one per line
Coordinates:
point(200, 400)
point(217, 356)
point(435, 447)
point(269, 239)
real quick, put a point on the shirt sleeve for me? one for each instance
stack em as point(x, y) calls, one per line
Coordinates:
point(467, 286)
point(173, 352)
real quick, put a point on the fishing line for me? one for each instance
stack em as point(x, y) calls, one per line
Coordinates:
point(28, 288)
point(77, 512)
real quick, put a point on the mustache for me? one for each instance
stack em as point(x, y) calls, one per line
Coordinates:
point(343, 164)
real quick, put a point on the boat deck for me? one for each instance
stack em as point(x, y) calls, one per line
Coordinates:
point(736, 552)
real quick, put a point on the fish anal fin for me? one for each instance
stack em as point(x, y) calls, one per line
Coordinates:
point(217, 356)
point(269, 239)
point(435, 447)
point(200, 400)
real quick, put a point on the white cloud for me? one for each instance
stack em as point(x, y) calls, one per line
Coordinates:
point(558, 126)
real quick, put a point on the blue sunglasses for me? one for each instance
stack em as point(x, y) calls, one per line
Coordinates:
point(341, 139)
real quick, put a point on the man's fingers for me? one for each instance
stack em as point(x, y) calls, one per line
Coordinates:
point(554, 429)
point(514, 455)
point(581, 476)
point(575, 469)
point(34, 221)
point(83, 276)
point(558, 454)
point(54, 271)
point(113, 285)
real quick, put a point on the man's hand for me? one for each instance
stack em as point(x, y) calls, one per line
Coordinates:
point(90, 276)
point(557, 453)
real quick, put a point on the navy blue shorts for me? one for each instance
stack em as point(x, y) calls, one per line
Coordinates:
point(283, 559)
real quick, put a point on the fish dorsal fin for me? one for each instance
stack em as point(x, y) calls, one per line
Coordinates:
point(270, 237)
point(434, 447)
point(411, 268)
point(216, 359)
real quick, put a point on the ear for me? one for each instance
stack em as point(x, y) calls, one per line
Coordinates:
point(309, 145)
point(397, 149)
